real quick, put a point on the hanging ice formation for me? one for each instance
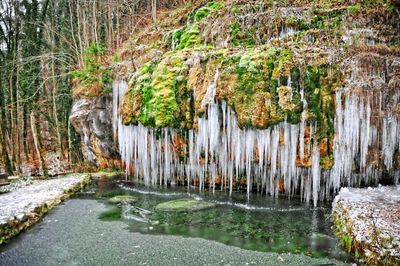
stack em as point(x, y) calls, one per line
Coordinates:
point(266, 160)
point(367, 129)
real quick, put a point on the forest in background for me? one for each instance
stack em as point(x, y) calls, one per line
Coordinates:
point(42, 42)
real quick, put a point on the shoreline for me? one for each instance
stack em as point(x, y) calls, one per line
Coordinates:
point(23, 207)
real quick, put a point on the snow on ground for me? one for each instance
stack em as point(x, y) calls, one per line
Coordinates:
point(25, 199)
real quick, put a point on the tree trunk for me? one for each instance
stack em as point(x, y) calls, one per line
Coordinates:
point(37, 145)
point(4, 153)
point(154, 11)
point(69, 145)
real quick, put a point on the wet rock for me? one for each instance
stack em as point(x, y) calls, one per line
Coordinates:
point(181, 205)
point(123, 199)
point(91, 118)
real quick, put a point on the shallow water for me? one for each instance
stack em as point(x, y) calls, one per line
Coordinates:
point(261, 224)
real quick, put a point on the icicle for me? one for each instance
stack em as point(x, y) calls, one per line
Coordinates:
point(316, 173)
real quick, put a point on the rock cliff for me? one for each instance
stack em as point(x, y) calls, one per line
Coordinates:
point(285, 97)
point(91, 117)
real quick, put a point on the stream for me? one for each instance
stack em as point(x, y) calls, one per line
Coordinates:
point(88, 230)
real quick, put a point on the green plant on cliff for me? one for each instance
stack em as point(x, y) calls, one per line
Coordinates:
point(319, 86)
point(169, 80)
point(207, 10)
point(156, 93)
point(187, 37)
point(136, 104)
point(254, 82)
point(241, 37)
point(190, 35)
point(93, 79)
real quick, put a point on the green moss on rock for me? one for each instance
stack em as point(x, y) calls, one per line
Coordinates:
point(207, 10)
point(156, 92)
point(183, 205)
point(254, 83)
point(188, 37)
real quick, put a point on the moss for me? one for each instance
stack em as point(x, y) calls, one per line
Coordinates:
point(235, 10)
point(319, 86)
point(255, 97)
point(253, 85)
point(188, 37)
point(136, 105)
point(161, 94)
point(169, 79)
point(284, 64)
point(240, 37)
point(207, 10)
point(326, 162)
point(116, 58)
point(156, 92)
point(329, 21)
point(234, 33)
point(292, 21)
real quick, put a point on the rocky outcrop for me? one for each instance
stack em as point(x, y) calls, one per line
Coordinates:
point(367, 221)
point(91, 118)
point(274, 96)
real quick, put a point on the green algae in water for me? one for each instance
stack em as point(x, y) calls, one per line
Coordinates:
point(113, 214)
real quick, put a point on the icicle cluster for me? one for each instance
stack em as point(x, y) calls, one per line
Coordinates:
point(267, 160)
point(365, 126)
point(219, 149)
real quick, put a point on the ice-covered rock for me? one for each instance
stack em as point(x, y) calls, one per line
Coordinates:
point(368, 222)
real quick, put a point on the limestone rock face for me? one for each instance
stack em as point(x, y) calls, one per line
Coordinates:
point(91, 118)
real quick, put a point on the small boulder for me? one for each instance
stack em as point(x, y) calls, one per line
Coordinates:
point(182, 205)
point(123, 199)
